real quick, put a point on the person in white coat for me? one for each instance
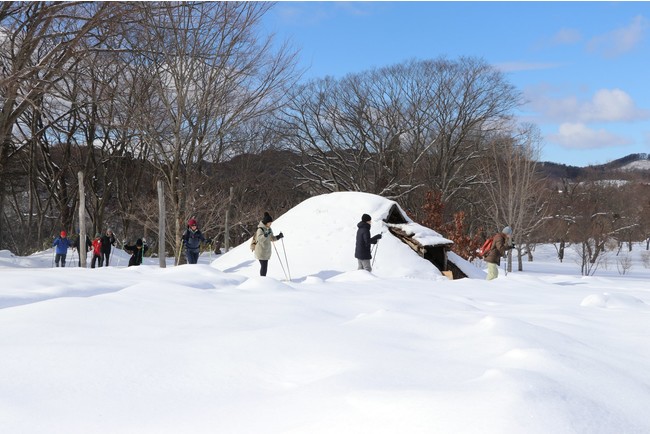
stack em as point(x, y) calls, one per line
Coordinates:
point(263, 238)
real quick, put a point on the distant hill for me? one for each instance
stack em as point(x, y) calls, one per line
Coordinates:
point(611, 170)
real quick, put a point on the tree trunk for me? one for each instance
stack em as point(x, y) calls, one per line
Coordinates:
point(82, 221)
point(162, 254)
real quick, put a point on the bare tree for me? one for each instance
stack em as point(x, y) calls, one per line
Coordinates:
point(39, 42)
point(208, 72)
point(596, 220)
point(392, 130)
point(513, 187)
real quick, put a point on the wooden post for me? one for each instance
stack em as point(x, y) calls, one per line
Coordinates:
point(161, 225)
point(82, 220)
point(226, 231)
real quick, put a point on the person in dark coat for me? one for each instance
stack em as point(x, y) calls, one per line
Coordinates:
point(62, 244)
point(192, 238)
point(137, 251)
point(364, 241)
point(108, 240)
point(500, 245)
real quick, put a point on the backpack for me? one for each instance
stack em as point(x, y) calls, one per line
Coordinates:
point(486, 247)
point(97, 247)
point(254, 241)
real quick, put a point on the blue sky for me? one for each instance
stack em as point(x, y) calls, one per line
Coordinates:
point(583, 67)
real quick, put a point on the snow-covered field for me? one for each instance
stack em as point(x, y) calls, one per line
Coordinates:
point(214, 348)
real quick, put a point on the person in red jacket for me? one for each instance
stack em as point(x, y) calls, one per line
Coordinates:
point(501, 243)
point(97, 251)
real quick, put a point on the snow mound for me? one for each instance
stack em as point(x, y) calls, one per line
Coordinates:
point(613, 301)
point(263, 284)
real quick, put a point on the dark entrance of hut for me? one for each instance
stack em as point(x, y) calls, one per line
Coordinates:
point(437, 254)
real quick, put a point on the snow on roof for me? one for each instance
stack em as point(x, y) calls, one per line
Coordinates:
point(320, 236)
point(421, 234)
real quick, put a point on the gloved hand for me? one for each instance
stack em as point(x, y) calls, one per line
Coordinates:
point(376, 237)
point(144, 240)
point(279, 236)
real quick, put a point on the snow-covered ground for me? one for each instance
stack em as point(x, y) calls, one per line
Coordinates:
point(214, 348)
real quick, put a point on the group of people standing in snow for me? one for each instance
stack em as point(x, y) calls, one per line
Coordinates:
point(263, 237)
point(100, 247)
point(260, 245)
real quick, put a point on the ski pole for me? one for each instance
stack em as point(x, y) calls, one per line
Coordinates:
point(285, 258)
point(280, 260)
point(374, 255)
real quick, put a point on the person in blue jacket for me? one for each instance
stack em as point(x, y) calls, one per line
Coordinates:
point(364, 241)
point(192, 238)
point(62, 244)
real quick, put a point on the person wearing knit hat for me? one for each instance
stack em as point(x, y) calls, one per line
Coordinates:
point(61, 244)
point(501, 243)
point(262, 240)
point(137, 251)
point(192, 239)
point(97, 251)
point(364, 242)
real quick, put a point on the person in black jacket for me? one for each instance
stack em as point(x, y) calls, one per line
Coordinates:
point(364, 240)
point(108, 240)
point(137, 251)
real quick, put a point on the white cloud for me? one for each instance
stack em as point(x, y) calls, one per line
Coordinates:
point(619, 41)
point(579, 136)
point(566, 37)
point(562, 37)
point(355, 8)
point(611, 105)
point(525, 66)
point(296, 14)
point(606, 105)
